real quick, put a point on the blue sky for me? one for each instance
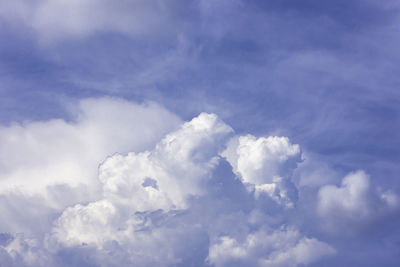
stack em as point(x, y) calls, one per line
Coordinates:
point(322, 73)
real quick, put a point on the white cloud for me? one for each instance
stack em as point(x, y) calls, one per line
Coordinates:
point(177, 194)
point(177, 168)
point(21, 251)
point(354, 203)
point(53, 164)
point(259, 160)
point(59, 152)
point(142, 193)
point(282, 247)
point(265, 163)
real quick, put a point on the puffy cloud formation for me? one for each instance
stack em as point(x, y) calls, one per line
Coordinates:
point(167, 179)
point(266, 164)
point(162, 179)
point(58, 151)
point(54, 164)
point(282, 247)
point(354, 203)
point(188, 195)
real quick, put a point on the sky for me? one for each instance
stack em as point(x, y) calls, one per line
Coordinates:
point(199, 133)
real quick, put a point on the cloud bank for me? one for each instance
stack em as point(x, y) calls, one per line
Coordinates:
point(176, 194)
point(54, 163)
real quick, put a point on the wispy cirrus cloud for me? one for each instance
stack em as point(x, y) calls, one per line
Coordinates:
point(63, 20)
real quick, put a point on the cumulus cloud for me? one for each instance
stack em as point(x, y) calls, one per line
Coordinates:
point(354, 203)
point(58, 151)
point(54, 164)
point(161, 179)
point(177, 194)
point(281, 247)
point(266, 164)
point(142, 193)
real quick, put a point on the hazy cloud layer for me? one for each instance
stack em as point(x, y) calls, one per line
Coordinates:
point(60, 20)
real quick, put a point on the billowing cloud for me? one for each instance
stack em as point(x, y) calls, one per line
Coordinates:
point(176, 194)
point(281, 247)
point(53, 164)
point(308, 86)
point(266, 165)
point(161, 179)
point(355, 203)
point(170, 178)
point(57, 151)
